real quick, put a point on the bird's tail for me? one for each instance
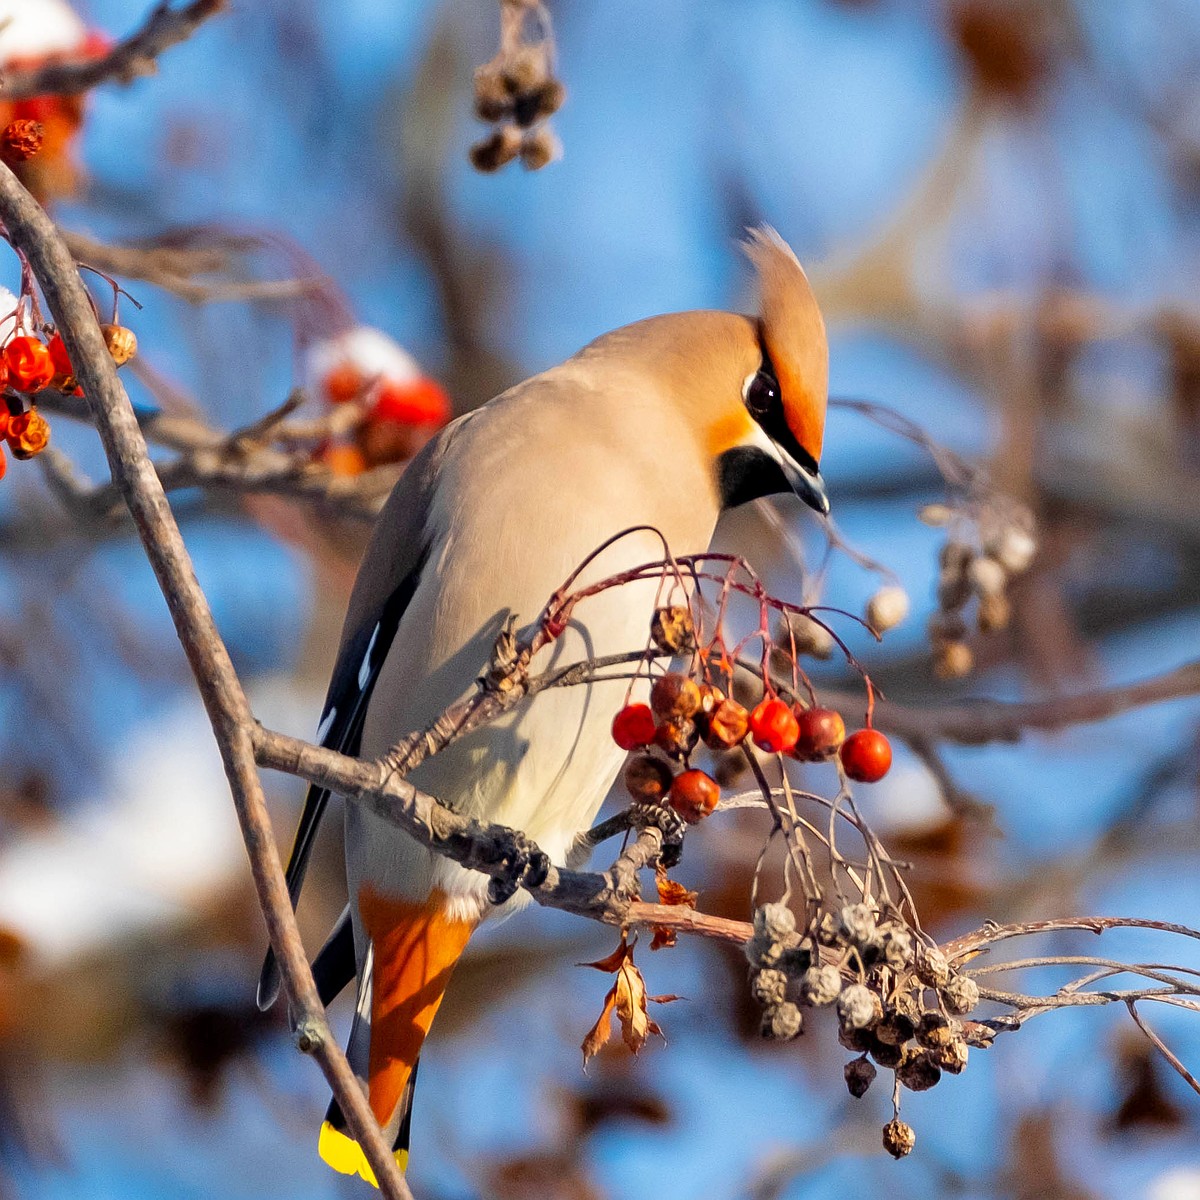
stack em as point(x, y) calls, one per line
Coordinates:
point(413, 951)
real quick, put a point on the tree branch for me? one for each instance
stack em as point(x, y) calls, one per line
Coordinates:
point(128, 60)
point(32, 232)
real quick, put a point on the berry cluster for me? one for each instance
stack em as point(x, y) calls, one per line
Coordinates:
point(517, 93)
point(396, 406)
point(687, 710)
point(29, 365)
point(977, 563)
point(897, 1000)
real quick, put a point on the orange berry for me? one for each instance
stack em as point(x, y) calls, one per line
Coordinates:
point(28, 434)
point(675, 697)
point(121, 342)
point(822, 731)
point(726, 726)
point(773, 726)
point(677, 736)
point(344, 460)
point(345, 382)
point(694, 794)
point(3, 463)
point(21, 140)
point(633, 727)
point(4, 420)
point(866, 756)
point(29, 364)
point(417, 402)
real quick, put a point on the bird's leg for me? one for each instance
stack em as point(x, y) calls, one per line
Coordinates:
point(668, 822)
point(525, 865)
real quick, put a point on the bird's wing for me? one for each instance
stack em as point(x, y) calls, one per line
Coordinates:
point(386, 582)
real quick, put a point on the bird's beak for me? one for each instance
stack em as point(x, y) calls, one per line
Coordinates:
point(808, 485)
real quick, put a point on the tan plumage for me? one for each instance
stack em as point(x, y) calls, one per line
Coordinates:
point(648, 425)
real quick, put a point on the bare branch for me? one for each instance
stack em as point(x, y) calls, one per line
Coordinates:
point(128, 60)
point(34, 234)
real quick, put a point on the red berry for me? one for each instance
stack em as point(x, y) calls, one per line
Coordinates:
point(58, 356)
point(417, 402)
point(822, 731)
point(30, 366)
point(344, 383)
point(694, 794)
point(773, 726)
point(866, 756)
point(633, 727)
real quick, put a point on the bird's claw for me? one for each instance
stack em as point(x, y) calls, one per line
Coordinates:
point(525, 865)
point(668, 822)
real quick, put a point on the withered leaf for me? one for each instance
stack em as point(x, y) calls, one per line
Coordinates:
point(626, 999)
point(670, 891)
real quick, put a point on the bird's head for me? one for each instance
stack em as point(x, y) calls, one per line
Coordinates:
point(772, 443)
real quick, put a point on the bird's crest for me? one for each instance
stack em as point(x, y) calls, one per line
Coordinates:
point(793, 335)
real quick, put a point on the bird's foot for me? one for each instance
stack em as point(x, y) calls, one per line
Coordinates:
point(525, 865)
point(668, 822)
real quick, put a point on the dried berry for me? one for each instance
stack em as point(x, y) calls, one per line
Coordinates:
point(795, 960)
point(951, 1056)
point(648, 779)
point(961, 994)
point(493, 100)
point(677, 737)
point(539, 148)
point(774, 921)
point(932, 967)
point(694, 794)
point(1014, 550)
point(28, 434)
point(21, 140)
point(675, 697)
point(935, 515)
point(821, 733)
point(952, 660)
point(895, 1028)
point(727, 726)
point(633, 727)
point(897, 946)
point(672, 630)
point(918, 1072)
point(987, 576)
point(866, 756)
point(773, 726)
point(496, 150)
point(121, 342)
point(548, 99)
point(29, 364)
point(526, 69)
point(820, 985)
point(994, 614)
point(860, 1074)
point(887, 608)
point(934, 1029)
point(858, 1007)
point(857, 1041)
point(856, 923)
point(782, 1023)
point(898, 1138)
point(769, 987)
point(884, 1053)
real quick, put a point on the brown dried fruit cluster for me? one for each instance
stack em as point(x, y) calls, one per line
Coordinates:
point(969, 573)
point(517, 93)
point(897, 999)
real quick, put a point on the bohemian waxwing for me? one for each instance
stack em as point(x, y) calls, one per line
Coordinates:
point(663, 423)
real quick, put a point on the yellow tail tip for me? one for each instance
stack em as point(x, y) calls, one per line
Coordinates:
point(343, 1154)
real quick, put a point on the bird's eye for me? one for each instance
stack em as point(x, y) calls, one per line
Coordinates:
point(762, 396)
